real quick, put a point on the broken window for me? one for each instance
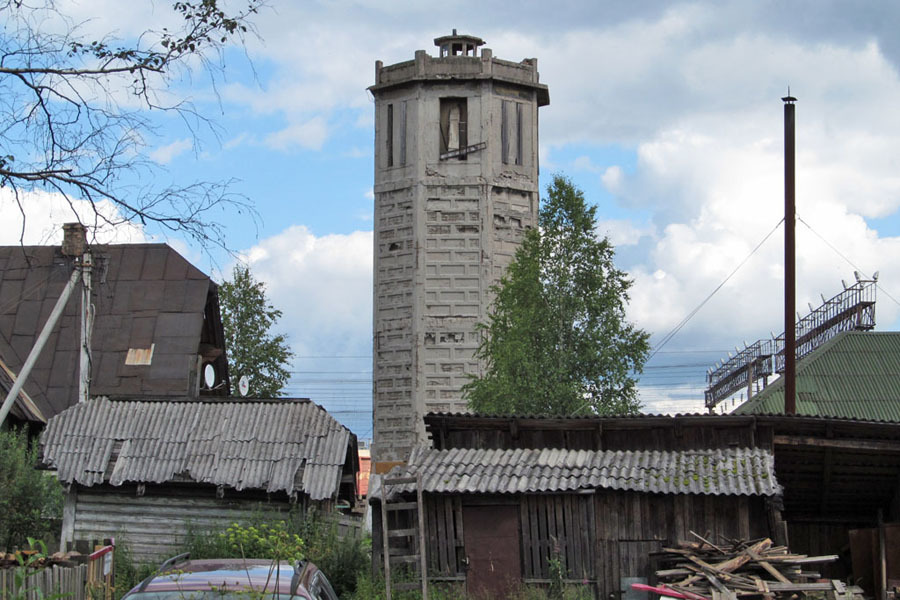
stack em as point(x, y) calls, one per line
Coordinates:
point(454, 131)
point(511, 132)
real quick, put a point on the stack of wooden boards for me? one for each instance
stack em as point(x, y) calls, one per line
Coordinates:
point(705, 571)
point(63, 559)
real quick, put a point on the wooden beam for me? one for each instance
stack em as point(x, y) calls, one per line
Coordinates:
point(842, 444)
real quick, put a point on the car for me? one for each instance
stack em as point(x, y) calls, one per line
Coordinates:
point(180, 578)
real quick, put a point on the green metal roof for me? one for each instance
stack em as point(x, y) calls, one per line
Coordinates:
point(856, 375)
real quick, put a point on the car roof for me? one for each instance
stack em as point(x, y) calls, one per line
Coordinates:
point(232, 573)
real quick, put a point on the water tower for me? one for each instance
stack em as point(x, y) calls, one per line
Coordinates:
point(456, 187)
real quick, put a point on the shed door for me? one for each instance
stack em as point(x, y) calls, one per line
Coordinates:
point(492, 550)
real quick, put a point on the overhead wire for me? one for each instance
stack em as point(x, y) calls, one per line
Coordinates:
point(847, 260)
point(668, 337)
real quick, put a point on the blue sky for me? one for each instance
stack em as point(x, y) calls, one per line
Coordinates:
point(668, 116)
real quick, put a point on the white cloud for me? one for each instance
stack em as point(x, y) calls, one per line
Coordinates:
point(166, 154)
point(622, 232)
point(612, 178)
point(40, 218)
point(322, 284)
point(309, 135)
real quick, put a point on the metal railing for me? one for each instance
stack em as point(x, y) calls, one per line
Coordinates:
point(853, 309)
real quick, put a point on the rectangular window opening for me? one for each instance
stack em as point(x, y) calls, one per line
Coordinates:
point(454, 126)
point(402, 133)
point(518, 133)
point(389, 135)
point(511, 132)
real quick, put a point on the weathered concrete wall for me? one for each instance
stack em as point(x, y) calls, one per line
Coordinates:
point(445, 230)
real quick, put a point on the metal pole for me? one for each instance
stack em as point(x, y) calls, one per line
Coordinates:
point(790, 275)
point(38, 345)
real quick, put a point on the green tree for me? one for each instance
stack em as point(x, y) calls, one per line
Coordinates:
point(75, 110)
point(556, 340)
point(31, 500)
point(252, 350)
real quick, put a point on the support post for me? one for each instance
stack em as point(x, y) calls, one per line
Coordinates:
point(38, 345)
point(87, 325)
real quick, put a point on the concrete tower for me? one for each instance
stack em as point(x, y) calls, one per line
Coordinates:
point(456, 186)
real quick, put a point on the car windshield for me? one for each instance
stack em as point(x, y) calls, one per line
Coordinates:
point(210, 595)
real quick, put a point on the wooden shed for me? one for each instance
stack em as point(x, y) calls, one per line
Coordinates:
point(143, 471)
point(837, 473)
point(495, 518)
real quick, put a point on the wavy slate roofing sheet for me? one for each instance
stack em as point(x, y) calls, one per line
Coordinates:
point(280, 445)
point(739, 471)
point(854, 375)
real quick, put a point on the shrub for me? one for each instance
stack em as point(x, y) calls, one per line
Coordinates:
point(31, 502)
point(127, 573)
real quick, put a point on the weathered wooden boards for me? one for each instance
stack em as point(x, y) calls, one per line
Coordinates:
point(745, 569)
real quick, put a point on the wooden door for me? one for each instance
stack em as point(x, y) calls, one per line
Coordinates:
point(491, 535)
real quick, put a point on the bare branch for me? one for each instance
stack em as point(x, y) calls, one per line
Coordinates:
point(66, 126)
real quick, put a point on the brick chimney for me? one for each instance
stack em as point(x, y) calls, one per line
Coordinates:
point(74, 239)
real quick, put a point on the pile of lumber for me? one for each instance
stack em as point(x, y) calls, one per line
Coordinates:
point(702, 570)
point(67, 559)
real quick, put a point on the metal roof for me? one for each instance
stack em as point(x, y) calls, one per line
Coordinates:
point(144, 296)
point(853, 375)
point(735, 472)
point(274, 445)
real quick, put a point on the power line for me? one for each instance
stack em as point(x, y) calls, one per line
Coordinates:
point(690, 315)
point(847, 260)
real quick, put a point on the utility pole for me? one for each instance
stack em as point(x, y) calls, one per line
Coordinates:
point(790, 275)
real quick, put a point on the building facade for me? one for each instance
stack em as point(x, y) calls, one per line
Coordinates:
point(456, 187)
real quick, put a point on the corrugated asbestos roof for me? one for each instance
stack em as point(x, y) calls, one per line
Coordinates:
point(284, 445)
point(732, 472)
point(854, 375)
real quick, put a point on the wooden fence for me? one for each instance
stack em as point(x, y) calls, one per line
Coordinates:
point(92, 580)
point(67, 581)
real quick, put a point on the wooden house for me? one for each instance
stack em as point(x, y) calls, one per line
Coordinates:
point(144, 471)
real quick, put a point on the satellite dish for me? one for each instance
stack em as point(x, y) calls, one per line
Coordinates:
point(209, 375)
point(243, 385)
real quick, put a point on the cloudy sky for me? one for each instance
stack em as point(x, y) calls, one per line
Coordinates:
point(668, 115)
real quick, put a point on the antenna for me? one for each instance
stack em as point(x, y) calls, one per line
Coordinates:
point(243, 385)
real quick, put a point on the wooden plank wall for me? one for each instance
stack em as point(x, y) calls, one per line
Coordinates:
point(819, 539)
point(155, 527)
point(557, 525)
point(600, 538)
point(634, 433)
point(444, 536)
point(630, 525)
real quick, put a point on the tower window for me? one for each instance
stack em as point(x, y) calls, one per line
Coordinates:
point(511, 133)
point(395, 135)
point(454, 126)
point(389, 137)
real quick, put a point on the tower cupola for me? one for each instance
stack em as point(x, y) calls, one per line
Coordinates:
point(458, 45)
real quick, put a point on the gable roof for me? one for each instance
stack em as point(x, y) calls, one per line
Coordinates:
point(731, 472)
point(854, 375)
point(144, 295)
point(284, 445)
